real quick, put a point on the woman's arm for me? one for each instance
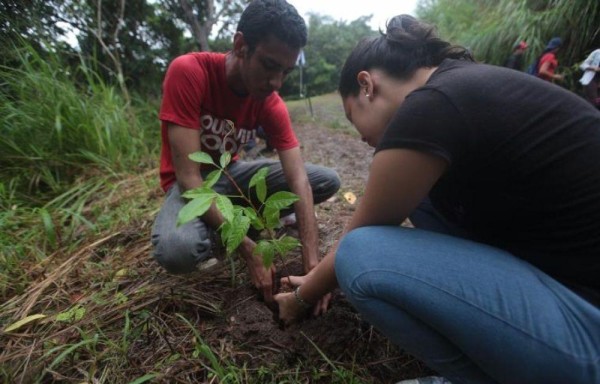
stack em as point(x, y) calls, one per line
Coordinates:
point(399, 179)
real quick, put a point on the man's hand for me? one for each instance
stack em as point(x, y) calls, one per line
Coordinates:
point(262, 278)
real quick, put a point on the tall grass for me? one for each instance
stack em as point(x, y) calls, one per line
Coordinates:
point(54, 127)
point(67, 138)
point(490, 29)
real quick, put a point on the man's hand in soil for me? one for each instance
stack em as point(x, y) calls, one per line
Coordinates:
point(290, 309)
point(262, 277)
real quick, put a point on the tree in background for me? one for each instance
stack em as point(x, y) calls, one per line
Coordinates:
point(34, 23)
point(129, 40)
point(329, 43)
point(490, 28)
point(202, 15)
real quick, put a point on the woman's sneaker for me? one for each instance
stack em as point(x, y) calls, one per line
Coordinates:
point(426, 380)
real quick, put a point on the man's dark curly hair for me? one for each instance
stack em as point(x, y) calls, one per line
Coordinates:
point(277, 18)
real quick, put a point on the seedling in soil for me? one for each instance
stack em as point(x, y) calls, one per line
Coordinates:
point(239, 219)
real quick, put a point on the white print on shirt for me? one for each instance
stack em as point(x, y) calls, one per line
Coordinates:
point(217, 135)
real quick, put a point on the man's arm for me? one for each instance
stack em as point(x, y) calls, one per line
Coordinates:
point(297, 179)
point(184, 141)
point(544, 70)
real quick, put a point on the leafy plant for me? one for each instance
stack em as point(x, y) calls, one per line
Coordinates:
point(239, 219)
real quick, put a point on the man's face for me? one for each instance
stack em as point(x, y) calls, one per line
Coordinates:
point(265, 69)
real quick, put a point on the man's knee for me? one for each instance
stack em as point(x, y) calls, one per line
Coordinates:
point(325, 182)
point(180, 254)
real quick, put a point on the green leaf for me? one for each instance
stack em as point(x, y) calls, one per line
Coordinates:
point(225, 159)
point(261, 190)
point(281, 200)
point(71, 315)
point(286, 244)
point(200, 192)
point(212, 179)
point(72, 348)
point(259, 181)
point(271, 217)
point(254, 219)
point(225, 206)
point(225, 230)
point(238, 231)
point(48, 227)
point(261, 174)
point(121, 298)
point(193, 209)
point(201, 157)
point(144, 378)
point(18, 324)
point(267, 250)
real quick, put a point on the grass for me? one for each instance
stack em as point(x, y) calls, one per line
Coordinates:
point(327, 111)
point(67, 140)
point(56, 127)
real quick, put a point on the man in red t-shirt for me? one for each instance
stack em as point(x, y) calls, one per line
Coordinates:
point(202, 93)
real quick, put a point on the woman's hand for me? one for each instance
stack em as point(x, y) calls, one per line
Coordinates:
point(290, 308)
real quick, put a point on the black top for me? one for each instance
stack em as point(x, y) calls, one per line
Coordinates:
point(524, 163)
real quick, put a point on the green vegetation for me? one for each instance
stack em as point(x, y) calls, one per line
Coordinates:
point(54, 129)
point(491, 28)
point(66, 146)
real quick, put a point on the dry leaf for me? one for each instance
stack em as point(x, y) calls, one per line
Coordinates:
point(350, 197)
point(22, 322)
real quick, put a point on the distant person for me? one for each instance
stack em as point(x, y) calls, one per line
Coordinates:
point(591, 77)
point(500, 280)
point(202, 93)
point(548, 62)
point(515, 60)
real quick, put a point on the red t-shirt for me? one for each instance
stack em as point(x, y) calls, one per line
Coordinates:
point(196, 96)
point(550, 58)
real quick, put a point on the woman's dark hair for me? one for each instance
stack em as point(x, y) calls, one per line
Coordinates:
point(407, 45)
point(278, 18)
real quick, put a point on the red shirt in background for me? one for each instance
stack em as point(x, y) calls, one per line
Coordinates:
point(549, 57)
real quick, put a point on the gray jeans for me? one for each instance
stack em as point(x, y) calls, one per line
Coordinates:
point(180, 249)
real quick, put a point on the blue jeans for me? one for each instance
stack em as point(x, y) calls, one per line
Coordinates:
point(472, 312)
point(180, 249)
